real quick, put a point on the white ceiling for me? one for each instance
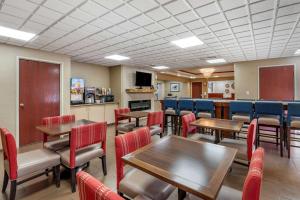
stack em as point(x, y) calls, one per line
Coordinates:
point(89, 30)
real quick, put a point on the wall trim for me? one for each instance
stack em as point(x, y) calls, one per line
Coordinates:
point(61, 74)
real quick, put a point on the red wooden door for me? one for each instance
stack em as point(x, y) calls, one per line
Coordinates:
point(276, 83)
point(39, 96)
point(197, 90)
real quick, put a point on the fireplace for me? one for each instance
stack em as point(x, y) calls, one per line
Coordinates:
point(139, 105)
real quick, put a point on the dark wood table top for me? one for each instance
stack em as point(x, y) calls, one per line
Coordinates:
point(62, 129)
point(218, 124)
point(193, 166)
point(135, 114)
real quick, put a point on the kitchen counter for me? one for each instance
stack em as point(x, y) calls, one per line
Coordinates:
point(93, 104)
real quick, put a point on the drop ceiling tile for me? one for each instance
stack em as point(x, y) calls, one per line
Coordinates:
point(16, 12)
point(262, 16)
point(187, 17)
point(242, 28)
point(176, 7)
point(229, 4)
point(207, 10)
point(223, 32)
point(158, 14)
point(33, 27)
point(178, 29)
point(81, 15)
point(48, 13)
point(287, 2)
point(287, 19)
point(243, 34)
point(219, 26)
point(170, 22)
point(142, 20)
point(262, 24)
point(128, 26)
point(201, 31)
point(154, 27)
point(163, 1)
point(142, 6)
point(116, 30)
point(214, 19)
point(163, 33)
point(58, 6)
point(72, 2)
point(266, 30)
point(93, 9)
point(261, 6)
point(22, 4)
point(288, 10)
point(239, 21)
point(236, 13)
point(41, 19)
point(100, 23)
point(195, 24)
point(197, 3)
point(109, 4)
point(112, 18)
point(127, 11)
point(140, 32)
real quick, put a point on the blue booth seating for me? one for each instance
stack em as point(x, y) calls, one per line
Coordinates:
point(293, 123)
point(185, 107)
point(170, 106)
point(241, 111)
point(204, 109)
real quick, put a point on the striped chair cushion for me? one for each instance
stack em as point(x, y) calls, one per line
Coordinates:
point(92, 189)
point(128, 143)
point(155, 122)
point(50, 121)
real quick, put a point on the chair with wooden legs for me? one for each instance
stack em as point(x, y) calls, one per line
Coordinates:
point(121, 123)
point(155, 122)
point(87, 142)
point(185, 106)
point(170, 110)
point(56, 144)
point(293, 126)
point(23, 167)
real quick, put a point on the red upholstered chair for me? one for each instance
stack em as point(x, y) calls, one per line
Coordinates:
point(87, 142)
point(18, 168)
point(121, 124)
point(56, 143)
point(155, 123)
point(92, 189)
point(131, 181)
point(245, 148)
point(187, 129)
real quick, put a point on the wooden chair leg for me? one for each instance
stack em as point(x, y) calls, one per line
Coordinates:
point(47, 172)
point(117, 132)
point(281, 140)
point(13, 190)
point(73, 180)
point(5, 181)
point(288, 132)
point(277, 136)
point(57, 176)
point(104, 168)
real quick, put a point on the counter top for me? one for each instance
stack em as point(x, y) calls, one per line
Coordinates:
point(93, 104)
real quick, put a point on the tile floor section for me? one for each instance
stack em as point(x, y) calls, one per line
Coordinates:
point(281, 176)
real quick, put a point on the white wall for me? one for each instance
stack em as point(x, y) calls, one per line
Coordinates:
point(8, 81)
point(128, 81)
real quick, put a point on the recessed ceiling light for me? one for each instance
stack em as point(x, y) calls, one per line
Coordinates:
point(216, 76)
point(220, 60)
point(117, 57)
point(160, 67)
point(297, 52)
point(188, 42)
point(192, 77)
point(16, 34)
point(178, 74)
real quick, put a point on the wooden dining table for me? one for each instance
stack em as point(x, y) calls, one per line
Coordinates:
point(218, 125)
point(136, 115)
point(192, 166)
point(61, 129)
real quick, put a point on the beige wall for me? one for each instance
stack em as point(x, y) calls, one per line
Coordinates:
point(8, 81)
point(115, 82)
point(246, 76)
point(185, 89)
point(94, 75)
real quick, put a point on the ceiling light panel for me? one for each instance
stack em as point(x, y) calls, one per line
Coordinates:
point(188, 42)
point(117, 57)
point(16, 34)
point(213, 61)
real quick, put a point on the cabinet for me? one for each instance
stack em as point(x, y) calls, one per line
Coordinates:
point(97, 113)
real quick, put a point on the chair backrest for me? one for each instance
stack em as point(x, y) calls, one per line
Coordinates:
point(118, 116)
point(56, 120)
point(87, 135)
point(92, 189)
point(241, 107)
point(252, 184)
point(155, 118)
point(269, 108)
point(127, 143)
point(170, 103)
point(186, 105)
point(186, 127)
point(9, 153)
point(205, 106)
point(293, 111)
point(252, 128)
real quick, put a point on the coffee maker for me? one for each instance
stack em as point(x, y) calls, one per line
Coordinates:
point(89, 95)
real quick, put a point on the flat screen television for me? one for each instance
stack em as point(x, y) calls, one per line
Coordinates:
point(143, 79)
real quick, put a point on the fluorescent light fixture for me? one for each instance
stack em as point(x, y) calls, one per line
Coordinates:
point(16, 34)
point(297, 52)
point(220, 60)
point(160, 67)
point(188, 42)
point(117, 57)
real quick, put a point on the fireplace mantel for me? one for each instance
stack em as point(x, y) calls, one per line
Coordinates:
point(140, 90)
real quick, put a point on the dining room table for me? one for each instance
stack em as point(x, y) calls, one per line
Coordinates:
point(192, 166)
point(219, 125)
point(137, 115)
point(62, 129)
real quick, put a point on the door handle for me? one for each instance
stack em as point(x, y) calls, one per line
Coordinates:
point(21, 105)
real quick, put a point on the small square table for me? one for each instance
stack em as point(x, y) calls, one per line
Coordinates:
point(191, 166)
point(61, 129)
point(137, 115)
point(218, 125)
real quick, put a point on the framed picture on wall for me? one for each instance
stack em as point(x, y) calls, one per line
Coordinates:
point(174, 87)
